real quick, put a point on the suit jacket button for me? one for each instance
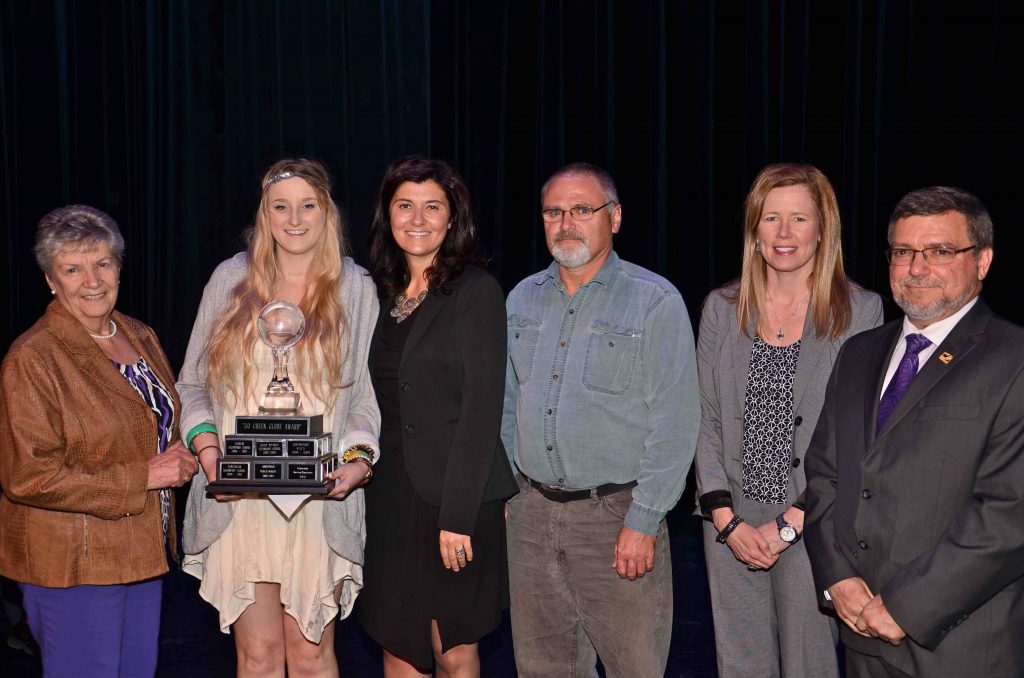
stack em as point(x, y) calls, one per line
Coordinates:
point(405, 386)
point(866, 494)
point(798, 421)
point(796, 462)
point(409, 428)
point(863, 545)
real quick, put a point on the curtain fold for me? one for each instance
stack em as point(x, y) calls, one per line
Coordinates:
point(166, 115)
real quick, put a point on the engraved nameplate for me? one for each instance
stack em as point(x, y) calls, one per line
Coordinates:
point(269, 448)
point(267, 470)
point(233, 470)
point(280, 426)
point(302, 471)
point(239, 447)
point(302, 448)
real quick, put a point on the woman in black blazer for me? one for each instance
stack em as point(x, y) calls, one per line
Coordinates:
point(436, 574)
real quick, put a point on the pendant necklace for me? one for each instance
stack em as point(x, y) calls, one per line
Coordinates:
point(780, 334)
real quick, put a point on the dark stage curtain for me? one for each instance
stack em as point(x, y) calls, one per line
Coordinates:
point(165, 114)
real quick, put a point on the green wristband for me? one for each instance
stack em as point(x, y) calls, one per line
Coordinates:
point(196, 430)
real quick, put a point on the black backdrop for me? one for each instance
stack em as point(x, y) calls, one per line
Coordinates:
point(165, 114)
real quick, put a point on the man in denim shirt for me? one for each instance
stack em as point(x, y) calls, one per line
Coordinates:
point(601, 418)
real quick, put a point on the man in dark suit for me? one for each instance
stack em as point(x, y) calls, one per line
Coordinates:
point(915, 473)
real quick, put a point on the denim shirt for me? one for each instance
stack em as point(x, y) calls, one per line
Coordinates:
point(602, 387)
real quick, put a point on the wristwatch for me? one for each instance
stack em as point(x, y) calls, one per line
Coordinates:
point(787, 532)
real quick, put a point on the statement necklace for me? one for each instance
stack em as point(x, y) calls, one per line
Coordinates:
point(404, 306)
point(113, 331)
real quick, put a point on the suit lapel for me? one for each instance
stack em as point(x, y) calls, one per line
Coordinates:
point(149, 347)
point(812, 350)
point(93, 364)
point(741, 348)
point(421, 321)
point(99, 369)
point(384, 310)
point(878, 364)
point(958, 343)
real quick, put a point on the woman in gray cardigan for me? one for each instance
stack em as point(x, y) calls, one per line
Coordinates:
point(766, 347)
point(279, 582)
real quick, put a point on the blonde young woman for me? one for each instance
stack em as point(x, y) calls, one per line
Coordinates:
point(766, 347)
point(279, 583)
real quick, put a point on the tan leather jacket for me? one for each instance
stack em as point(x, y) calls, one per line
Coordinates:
point(75, 439)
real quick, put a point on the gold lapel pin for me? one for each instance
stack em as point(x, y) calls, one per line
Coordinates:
point(946, 357)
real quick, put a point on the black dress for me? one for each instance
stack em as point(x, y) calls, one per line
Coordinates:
point(406, 584)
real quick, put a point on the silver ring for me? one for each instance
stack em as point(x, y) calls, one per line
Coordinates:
point(460, 552)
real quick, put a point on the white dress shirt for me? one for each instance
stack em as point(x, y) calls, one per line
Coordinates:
point(936, 333)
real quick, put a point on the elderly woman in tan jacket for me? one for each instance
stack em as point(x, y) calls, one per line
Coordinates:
point(89, 440)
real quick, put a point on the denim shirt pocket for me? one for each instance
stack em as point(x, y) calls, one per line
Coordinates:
point(523, 335)
point(613, 352)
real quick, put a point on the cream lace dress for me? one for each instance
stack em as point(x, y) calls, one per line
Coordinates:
point(261, 545)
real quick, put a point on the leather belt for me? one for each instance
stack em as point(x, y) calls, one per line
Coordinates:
point(561, 495)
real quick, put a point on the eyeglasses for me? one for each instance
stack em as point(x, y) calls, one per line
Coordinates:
point(936, 256)
point(579, 213)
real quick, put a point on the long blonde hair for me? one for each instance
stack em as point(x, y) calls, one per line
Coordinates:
point(829, 288)
point(319, 354)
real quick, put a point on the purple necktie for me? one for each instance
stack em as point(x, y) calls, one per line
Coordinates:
point(900, 382)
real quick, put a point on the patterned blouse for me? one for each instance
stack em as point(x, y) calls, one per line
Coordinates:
point(768, 422)
point(159, 399)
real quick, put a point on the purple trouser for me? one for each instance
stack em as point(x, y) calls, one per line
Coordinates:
point(96, 631)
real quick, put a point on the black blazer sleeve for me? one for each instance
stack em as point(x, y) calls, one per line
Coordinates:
point(476, 446)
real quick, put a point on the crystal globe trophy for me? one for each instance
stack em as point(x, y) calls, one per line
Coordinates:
point(280, 326)
point(280, 450)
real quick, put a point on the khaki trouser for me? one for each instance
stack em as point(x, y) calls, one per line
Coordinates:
point(568, 603)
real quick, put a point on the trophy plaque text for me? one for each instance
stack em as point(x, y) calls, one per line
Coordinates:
point(279, 450)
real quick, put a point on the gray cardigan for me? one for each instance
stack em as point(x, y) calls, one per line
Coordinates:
point(356, 416)
point(723, 362)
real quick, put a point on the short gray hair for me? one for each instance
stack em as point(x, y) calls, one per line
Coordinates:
point(588, 170)
point(75, 225)
point(927, 202)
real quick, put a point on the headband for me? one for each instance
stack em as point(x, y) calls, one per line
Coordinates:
point(276, 178)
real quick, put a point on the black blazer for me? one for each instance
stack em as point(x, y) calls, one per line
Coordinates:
point(929, 512)
point(452, 388)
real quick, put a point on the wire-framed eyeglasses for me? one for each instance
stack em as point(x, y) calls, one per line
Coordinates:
point(579, 212)
point(936, 256)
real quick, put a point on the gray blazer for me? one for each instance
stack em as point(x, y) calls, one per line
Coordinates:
point(356, 416)
point(723, 361)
